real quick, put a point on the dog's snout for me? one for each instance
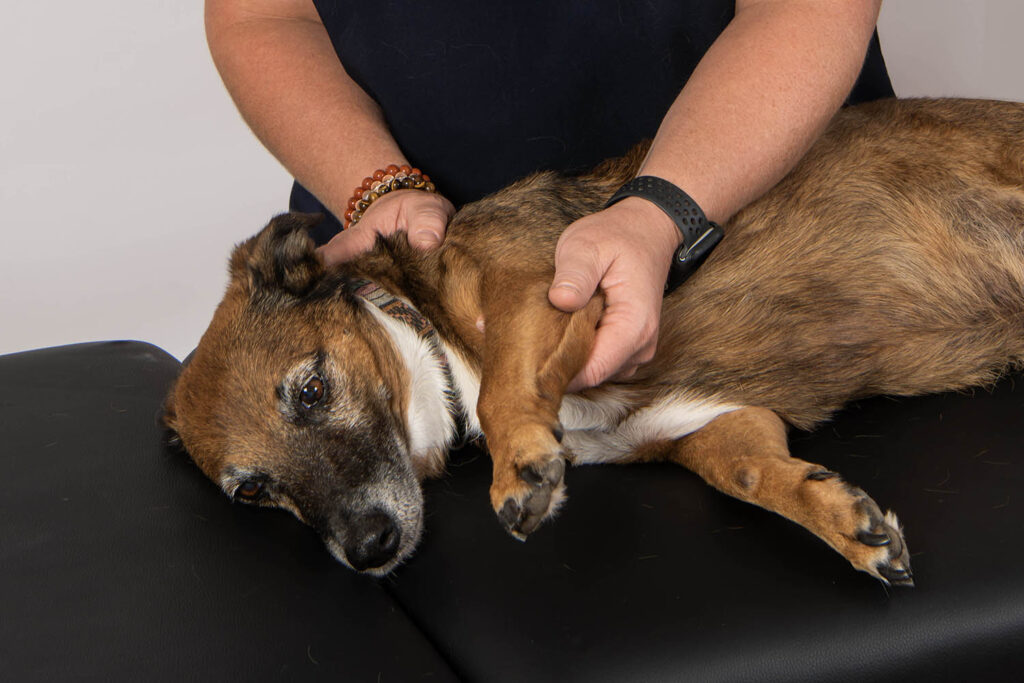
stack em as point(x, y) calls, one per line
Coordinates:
point(373, 540)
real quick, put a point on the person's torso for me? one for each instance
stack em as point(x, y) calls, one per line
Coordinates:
point(480, 94)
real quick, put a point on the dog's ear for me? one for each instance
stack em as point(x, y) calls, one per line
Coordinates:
point(168, 418)
point(168, 415)
point(281, 256)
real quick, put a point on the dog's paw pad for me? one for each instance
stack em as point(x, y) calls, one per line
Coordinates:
point(541, 474)
point(511, 517)
point(538, 496)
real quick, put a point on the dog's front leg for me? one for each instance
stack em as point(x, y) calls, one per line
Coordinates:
point(745, 454)
point(531, 351)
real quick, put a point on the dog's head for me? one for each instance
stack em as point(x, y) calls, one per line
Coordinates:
point(295, 399)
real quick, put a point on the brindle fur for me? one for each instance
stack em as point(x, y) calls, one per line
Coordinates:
point(890, 261)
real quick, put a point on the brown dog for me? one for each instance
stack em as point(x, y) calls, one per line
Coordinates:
point(890, 261)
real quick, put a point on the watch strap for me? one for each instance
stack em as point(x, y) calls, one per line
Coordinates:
point(700, 236)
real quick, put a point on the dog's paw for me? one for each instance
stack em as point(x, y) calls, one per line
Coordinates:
point(851, 522)
point(883, 548)
point(528, 494)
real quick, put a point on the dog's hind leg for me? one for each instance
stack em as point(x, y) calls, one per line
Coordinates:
point(531, 351)
point(744, 454)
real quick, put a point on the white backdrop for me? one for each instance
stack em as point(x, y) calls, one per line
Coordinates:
point(118, 145)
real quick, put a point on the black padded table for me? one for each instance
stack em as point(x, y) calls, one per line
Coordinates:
point(121, 561)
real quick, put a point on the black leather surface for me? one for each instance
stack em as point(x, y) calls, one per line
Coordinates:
point(649, 575)
point(120, 561)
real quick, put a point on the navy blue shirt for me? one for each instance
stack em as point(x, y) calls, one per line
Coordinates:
point(479, 94)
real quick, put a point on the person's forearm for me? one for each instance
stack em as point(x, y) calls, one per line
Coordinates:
point(277, 62)
point(759, 98)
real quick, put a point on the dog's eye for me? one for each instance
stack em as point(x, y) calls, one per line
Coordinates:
point(312, 392)
point(249, 490)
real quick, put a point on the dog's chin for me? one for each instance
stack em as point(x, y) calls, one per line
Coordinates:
point(412, 531)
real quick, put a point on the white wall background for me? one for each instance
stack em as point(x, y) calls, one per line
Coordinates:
point(118, 147)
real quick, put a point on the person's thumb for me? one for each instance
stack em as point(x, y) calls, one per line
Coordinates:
point(427, 226)
point(348, 244)
point(577, 275)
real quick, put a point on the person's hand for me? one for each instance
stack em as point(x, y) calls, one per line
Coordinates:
point(626, 249)
point(423, 215)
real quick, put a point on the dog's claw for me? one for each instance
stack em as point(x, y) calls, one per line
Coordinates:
point(511, 516)
point(897, 576)
point(868, 538)
point(558, 432)
point(523, 513)
point(510, 513)
point(883, 532)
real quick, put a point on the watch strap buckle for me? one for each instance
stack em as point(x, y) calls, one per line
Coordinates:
point(689, 257)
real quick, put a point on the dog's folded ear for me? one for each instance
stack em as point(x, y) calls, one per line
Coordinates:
point(281, 256)
point(167, 419)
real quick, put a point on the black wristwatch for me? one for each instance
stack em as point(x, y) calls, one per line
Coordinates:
point(700, 236)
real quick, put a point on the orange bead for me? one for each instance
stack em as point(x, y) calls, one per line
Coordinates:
point(358, 192)
point(378, 174)
point(426, 178)
point(352, 203)
point(367, 182)
point(348, 215)
point(414, 171)
point(391, 170)
point(404, 168)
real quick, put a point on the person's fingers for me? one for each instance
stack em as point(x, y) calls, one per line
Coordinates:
point(423, 216)
point(578, 271)
point(615, 350)
point(428, 220)
point(627, 334)
point(348, 244)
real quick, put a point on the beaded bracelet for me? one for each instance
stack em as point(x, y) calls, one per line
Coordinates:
point(383, 181)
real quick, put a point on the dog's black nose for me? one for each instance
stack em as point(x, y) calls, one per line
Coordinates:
point(372, 541)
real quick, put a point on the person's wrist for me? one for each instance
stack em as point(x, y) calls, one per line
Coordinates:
point(656, 225)
point(699, 236)
point(384, 181)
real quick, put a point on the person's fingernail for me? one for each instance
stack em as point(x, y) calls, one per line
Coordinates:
point(568, 286)
point(426, 238)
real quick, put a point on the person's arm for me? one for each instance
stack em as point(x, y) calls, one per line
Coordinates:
point(279, 66)
point(758, 99)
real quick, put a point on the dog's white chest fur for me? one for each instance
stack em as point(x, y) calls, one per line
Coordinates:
point(429, 422)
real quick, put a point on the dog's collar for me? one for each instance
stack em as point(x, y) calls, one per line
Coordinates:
point(404, 312)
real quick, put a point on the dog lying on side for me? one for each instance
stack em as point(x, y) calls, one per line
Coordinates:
point(890, 261)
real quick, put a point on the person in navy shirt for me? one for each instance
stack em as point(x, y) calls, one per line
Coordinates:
point(479, 94)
